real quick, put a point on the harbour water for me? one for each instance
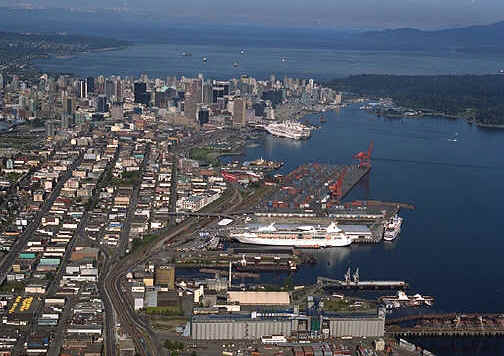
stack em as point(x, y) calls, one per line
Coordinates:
point(450, 246)
point(161, 60)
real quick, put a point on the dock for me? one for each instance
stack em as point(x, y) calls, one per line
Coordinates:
point(313, 187)
point(474, 324)
point(223, 272)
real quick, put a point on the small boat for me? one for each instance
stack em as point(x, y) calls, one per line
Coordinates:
point(242, 52)
point(186, 54)
point(454, 139)
point(236, 64)
point(205, 59)
point(284, 59)
point(322, 118)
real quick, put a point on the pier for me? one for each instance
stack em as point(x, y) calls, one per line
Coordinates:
point(475, 324)
point(353, 282)
point(313, 187)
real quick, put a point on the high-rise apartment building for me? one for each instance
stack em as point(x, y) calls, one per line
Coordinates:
point(239, 112)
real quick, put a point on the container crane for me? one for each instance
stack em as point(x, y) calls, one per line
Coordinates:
point(336, 189)
point(365, 157)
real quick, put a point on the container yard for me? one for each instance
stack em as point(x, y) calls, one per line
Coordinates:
point(313, 187)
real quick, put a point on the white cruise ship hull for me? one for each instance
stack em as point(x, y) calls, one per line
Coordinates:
point(302, 243)
point(286, 134)
point(293, 131)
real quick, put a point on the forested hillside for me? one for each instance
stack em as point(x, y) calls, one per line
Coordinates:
point(455, 95)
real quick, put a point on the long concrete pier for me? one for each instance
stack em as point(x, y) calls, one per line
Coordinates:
point(327, 282)
point(474, 324)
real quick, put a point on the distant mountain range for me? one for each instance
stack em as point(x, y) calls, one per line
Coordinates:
point(124, 26)
point(487, 38)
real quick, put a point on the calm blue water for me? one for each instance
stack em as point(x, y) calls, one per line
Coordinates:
point(161, 60)
point(451, 245)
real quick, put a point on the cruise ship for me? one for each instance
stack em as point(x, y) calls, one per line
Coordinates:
point(392, 228)
point(304, 236)
point(289, 129)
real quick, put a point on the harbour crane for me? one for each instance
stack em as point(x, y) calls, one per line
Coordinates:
point(365, 157)
point(336, 189)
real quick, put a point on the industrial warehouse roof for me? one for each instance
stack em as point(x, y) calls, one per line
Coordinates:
point(355, 228)
point(259, 298)
point(245, 316)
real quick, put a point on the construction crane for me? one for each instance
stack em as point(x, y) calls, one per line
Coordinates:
point(365, 157)
point(336, 189)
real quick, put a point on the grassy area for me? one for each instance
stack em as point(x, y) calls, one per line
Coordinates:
point(346, 305)
point(205, 154)
point(336, 305)
point(168, 311)
point(174, 346)
point(13, 177)
point(9, 286)
point(127, 178)
point(137, 243)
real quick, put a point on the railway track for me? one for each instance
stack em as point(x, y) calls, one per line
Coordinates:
point(143, 337)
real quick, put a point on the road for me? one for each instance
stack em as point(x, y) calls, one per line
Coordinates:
point(173, 191)
point(124, 235)
point(58, 340)
point(35, 223)
point(25, 237)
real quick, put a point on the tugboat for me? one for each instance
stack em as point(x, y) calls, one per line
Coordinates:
point(392, 228)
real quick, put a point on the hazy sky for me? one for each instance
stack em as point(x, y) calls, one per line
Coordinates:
point(310, 13)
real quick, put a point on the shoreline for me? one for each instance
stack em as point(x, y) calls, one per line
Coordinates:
point(70, 55)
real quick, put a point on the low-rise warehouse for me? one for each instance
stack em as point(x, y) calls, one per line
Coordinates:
point(356, 325)
point(240, 326)
point(259, 298)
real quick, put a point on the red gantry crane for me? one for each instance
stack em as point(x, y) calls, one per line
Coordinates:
point(365, 157)
point(336, 189)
